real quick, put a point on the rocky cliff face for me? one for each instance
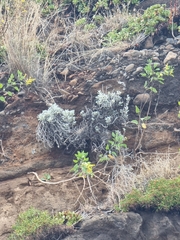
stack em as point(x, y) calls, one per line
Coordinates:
point(110, 69)
point(130, 226)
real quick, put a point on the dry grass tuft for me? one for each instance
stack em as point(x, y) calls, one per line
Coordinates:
point(20, 37)
point(122, 178)
point(158, 165)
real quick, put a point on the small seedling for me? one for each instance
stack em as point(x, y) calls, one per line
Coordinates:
point(142, 121)
point(82, 166)
point(154, 74)
point(13, 85)
point(46, 177)
point(114, 147)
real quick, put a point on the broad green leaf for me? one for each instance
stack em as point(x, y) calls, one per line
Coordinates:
point(11, 78)
point(135, 122)
point(124, 145)
point(16, 88)
point(1, 85)
point(154, 90)
point(9, 93)
point(107, 147)
point(155, 65)
point(2, 99)
point(146, 118)
point(113, 134)
point(114, 154)
point(137, 110)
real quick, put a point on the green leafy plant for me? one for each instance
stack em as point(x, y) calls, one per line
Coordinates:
point(70, 217)
point(142, 120)
point(80, 22)
point(160, 195)
point(92, 7)
point(46, 177)
point(13, 85)
point(47, 6)
point(114, 147)
point(98, 19)
point(31, 220)
point(154, 74)
point(89, 26)
point(82, 166)
point(146, 23)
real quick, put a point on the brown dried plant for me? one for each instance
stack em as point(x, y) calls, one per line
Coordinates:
point(19, 36)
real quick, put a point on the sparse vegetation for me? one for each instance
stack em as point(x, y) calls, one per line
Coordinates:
point(155, 76)
point(145, 24)
point(82, 166)
point(92, 7)
point(58, 126)
point(160, 195)
point(39, 40)
point(153, 73)
point(30, 222)
point(14, 84)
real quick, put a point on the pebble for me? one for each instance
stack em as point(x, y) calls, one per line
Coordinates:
point(170, 56)
point(129, 68)
point(141, 99)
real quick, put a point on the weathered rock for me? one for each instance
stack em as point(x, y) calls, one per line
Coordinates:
point(170, 56)
point(138, 70)
point(132, 54)
point(141, 98)
point(130, 226)
point(149, 43)
point(129, 68)
point(113, 226)
point(154, 137)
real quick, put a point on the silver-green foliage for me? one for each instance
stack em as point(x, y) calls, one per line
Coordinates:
point(58, 127)
point(55, 125)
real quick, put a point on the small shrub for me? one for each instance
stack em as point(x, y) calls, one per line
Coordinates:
point(55, 126)
point(146, 24)
point(114, 148)
point(58, 126)
point(33, 221)
point(160, 195)
point(13, 85)
point(154, 74)
point(92, 7)
point(82, 165)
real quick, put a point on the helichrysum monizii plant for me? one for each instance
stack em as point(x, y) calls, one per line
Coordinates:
point(58, 127)
point(55, 125)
